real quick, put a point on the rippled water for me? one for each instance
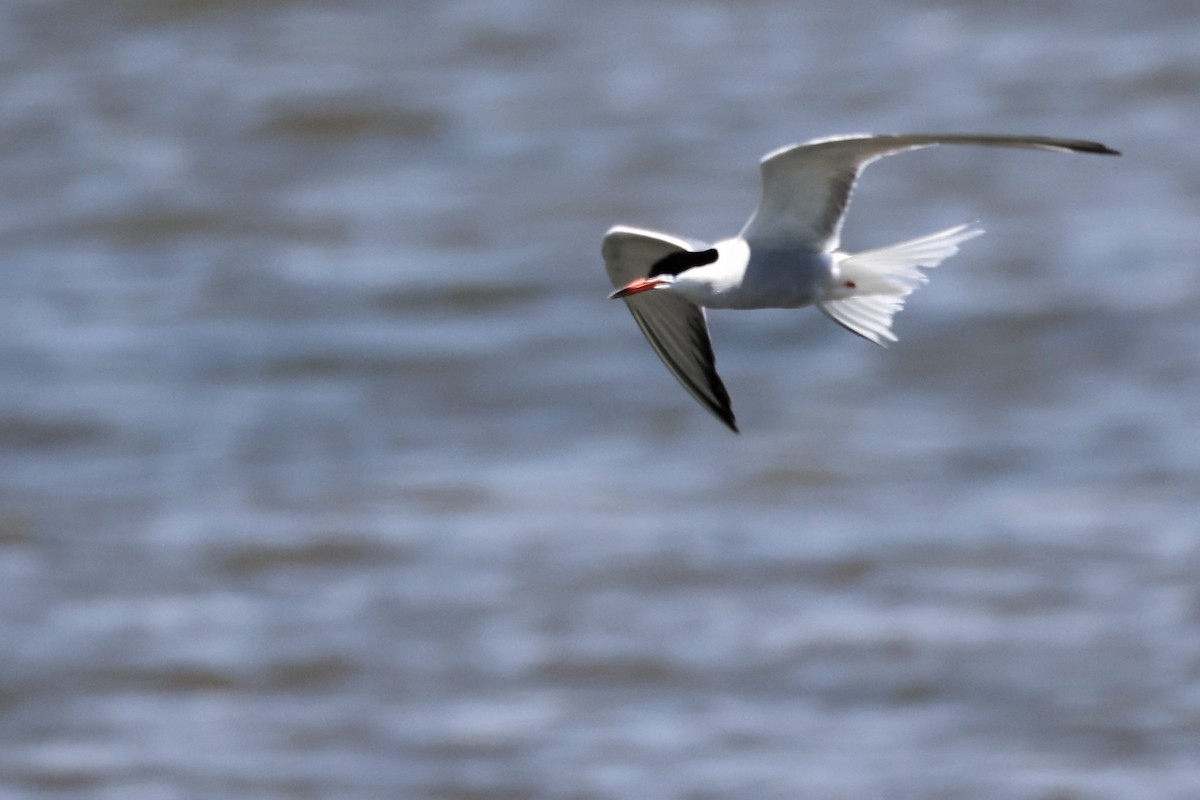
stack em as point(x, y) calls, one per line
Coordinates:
point(326, 470)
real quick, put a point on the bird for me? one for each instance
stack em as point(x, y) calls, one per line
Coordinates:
point(787, 255)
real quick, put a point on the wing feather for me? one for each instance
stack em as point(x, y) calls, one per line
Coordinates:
point(807, 187)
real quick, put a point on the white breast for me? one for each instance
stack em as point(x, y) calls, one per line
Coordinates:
point(783, 278)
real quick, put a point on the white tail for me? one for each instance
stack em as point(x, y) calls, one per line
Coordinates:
point(871, 286)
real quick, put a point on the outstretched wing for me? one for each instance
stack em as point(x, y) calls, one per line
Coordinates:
point(674, 326)
point(806, 187)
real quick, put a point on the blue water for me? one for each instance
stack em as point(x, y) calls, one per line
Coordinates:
point(326, 469)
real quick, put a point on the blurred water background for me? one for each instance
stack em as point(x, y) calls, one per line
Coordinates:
point(327, 471)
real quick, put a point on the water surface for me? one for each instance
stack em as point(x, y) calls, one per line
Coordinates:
point(326, 470)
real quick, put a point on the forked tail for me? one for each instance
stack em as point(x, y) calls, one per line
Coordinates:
point(870, 287)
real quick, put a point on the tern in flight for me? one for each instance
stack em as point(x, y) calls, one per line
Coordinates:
point(786, 256)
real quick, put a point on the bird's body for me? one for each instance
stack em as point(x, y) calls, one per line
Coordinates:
point(761, 278)
point(786, 256)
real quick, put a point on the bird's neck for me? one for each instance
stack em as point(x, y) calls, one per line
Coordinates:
point(714, 285)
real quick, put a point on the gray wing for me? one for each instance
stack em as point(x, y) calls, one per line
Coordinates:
point(806, 187)
point(674, 326)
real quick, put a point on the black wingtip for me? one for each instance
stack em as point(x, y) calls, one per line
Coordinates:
point(722, 409)
point(1094, 147)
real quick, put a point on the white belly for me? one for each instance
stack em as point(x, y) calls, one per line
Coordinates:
point(783, 279)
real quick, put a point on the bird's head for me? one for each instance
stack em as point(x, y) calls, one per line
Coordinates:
point(666, 270)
